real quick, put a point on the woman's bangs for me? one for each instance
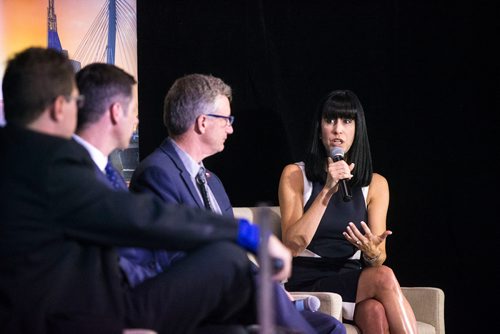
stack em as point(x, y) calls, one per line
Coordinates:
point(339, 111)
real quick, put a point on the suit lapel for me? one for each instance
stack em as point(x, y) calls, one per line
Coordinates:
point(102, 177)
point(168, 148)
point(99, 173)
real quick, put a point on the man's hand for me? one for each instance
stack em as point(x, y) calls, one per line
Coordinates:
point(279, 251)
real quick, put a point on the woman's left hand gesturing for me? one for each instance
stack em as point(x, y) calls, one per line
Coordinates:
point(368, 242)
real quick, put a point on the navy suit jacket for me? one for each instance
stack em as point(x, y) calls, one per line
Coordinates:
point(58, 228)
point(163, 174)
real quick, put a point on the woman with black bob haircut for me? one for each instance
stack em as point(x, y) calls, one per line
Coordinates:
point(338, 243)
point(344, 105)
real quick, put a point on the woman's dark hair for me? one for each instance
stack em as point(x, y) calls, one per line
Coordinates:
point(340, 104)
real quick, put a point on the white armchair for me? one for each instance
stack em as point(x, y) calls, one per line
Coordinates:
point(427, 302)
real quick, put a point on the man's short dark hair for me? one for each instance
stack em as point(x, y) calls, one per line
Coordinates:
point(101, 84)
point(33, 79)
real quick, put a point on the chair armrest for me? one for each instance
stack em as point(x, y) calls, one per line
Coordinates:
point(331, 303)
point(251, 212)
point(427, 304)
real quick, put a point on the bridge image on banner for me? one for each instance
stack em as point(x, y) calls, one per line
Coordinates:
point(112, 39)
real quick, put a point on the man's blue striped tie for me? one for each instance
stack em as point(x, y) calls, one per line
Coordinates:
point(115, 177)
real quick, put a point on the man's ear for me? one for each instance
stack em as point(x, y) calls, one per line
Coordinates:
point(115, 112)
point(56, 110)
point(200, 125)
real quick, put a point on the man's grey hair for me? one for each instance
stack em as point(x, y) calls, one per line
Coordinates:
point(189, 97)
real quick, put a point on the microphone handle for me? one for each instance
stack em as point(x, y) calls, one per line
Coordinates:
point(346, 193)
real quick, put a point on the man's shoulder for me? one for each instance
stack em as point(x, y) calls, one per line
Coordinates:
point(36, 145)
point(21, 135)
point(159, 158)
point(158, 164)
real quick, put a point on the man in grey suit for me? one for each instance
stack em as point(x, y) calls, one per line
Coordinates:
point(197, 115)
point(60, 224)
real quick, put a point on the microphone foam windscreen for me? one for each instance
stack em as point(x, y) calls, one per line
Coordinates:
point(336, 151)
point(313, 303)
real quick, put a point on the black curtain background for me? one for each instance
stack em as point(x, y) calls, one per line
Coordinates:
point(427, 74)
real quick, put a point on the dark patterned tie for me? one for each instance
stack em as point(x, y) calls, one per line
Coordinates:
point(115, 177)
point(201, 181)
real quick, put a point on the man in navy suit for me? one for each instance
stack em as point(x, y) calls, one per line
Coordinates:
point(107, 120)
point(60, 224)
point(198, 118)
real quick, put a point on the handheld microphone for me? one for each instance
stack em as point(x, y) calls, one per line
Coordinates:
point(310, 303)
point(337, 154)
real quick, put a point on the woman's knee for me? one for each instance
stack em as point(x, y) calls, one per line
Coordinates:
point(371, 308)
point(383, 277)
point(370, 316)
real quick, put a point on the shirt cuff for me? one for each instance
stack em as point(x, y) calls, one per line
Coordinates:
point(248, 235)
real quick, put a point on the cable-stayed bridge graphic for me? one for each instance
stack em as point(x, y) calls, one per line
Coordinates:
point(111, 38)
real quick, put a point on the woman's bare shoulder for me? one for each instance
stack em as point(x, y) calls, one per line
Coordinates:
point(378, 185)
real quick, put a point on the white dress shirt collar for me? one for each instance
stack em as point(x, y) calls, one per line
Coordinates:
point(99, 159)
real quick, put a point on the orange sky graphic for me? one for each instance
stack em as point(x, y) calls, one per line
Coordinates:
point(23, 23)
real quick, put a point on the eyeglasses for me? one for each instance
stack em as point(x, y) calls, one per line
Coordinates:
point(80, 99)
point(229, 119)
